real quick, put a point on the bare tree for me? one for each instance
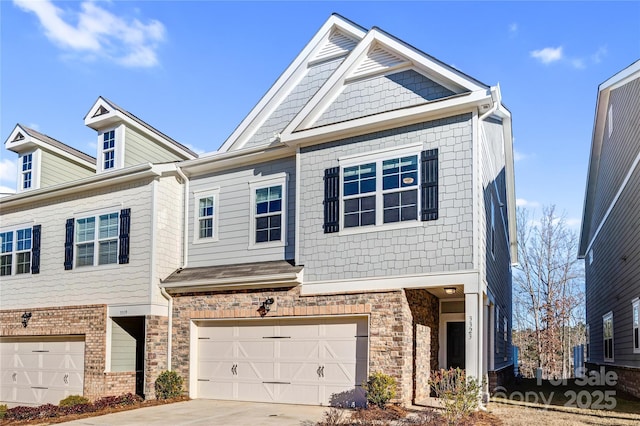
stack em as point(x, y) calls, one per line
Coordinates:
point(548, 292)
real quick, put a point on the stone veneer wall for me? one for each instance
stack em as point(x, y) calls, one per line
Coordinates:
point(155, 352)
point(391, 331)
point(87, 320)
point(628, 378)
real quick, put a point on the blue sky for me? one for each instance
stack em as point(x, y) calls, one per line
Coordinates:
point(195, 69)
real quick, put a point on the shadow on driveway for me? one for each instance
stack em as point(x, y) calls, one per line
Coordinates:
point(210, 412)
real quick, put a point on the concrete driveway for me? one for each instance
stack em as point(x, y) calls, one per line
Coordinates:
point(210, 412)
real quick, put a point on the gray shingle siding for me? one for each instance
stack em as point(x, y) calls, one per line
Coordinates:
point(294, 102)
point(434, 246)
point(382, 93)
point(618, 151)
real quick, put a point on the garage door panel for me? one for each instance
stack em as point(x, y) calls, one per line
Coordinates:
point(208, 349)
point(255, 371)
point(216, 389)
point(259, 392)
point(300, 393)
point(255, 330)
point(264, 348)
point(299, 371)
point(304, 330)
point(299, 350)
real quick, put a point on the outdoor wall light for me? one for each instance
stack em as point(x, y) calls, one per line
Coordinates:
point(265, 306)
point(450, 290)
point(25, 318)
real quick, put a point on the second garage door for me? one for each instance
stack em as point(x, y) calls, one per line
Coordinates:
point(315, 361)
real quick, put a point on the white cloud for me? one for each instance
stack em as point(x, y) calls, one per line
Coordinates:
point(96, 32)
point(5, 191)
point(8, 171)
point(521, 202)
point(573, 222)
point(513, 28)
point(518, 156)
point(195, 149)
point(599, 54)
point(548, 54)
point(578, 63)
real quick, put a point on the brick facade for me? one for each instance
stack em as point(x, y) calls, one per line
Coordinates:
point(155, 352)
point(87, 320)
point(628, 381)
point(391, 315)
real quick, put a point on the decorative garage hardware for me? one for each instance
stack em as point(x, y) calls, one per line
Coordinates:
point(320, 371)
point(38, 387)
point(25, 318)
point(14, 377)
point(276, 337)
point(66, 378)
point(234, 369)
point(277, 383)
point(265, 306)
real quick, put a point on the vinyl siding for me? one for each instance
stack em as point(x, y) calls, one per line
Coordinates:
point(85, 285)
point(434, 246)
point(55, 169)
point(138, 149)
point(123, 348)
point(235, 216)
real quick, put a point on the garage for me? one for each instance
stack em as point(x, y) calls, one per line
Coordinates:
point(318, 361)
point(40, 370)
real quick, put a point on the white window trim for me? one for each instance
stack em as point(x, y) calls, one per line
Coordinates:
point(605, 318)
point(215, 193)
point(587, 342)
point(378, 157)
point(610, 120)
point(492, 237)
point(635, 304)
point(505, 338)
point(96, 252)
point(14, 250)
point(36, 157)
point(267, 181)
point(118, 163)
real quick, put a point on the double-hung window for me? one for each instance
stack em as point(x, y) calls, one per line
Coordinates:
point(360, 195)
point(27, 171)
point(108, 149)
point(268, 201)
point(607, 336)
point(17, 251)
point(99, 239)
point(206, 216)
point(635, 314)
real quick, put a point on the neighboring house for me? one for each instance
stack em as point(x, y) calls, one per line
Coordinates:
point(610, 236)
point(366, 208)
point(361, 218)
point(82, 254)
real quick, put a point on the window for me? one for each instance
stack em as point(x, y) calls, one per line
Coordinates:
point(493, 227)
point(610, 120)
point(636, 326)
point(16, 251)
point(108, 149)
point(506, 339)
point(374, 198)
point(607, 335)
point(27, 171)
point(206, 226)
point(497, 322)
point(587, 340)
point(97, 243)
point(268, 201)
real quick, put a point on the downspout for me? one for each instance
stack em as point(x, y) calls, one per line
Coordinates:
point(184, 264)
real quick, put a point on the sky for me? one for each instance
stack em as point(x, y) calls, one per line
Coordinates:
point(195, 69)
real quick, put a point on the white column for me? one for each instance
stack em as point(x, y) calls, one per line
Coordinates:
point(473, 335)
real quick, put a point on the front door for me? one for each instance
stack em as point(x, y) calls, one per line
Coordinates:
point(455, 344)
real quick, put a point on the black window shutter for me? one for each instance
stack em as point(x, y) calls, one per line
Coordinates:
point(68, 245)
point(429, 185)
point(331, 200)
point(35, 249)
point(125, 225)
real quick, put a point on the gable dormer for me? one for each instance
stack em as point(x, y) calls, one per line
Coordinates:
point(124, 140)
point(44, 161)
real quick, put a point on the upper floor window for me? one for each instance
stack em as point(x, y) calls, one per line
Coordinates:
point(27, 171)
point(109, 149)
point(382, 188)
point(206, 218)
point(268, 200)
point(100, 239)
point(587, 342)
point(506, 338)
point(636, 326)
point(19, 253)
point(607, 335)
point(493, 227)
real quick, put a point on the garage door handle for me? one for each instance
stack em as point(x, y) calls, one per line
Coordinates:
point(14, 376)
point(320, 371)
point(234, 369)
point(66, 378)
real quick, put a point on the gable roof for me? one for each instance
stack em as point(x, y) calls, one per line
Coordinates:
point(23, 138)
point(366, 55)
point(631, 72)
point(104, 113)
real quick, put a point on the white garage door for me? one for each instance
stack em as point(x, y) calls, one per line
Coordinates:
point(315, 361)
point(36, 371)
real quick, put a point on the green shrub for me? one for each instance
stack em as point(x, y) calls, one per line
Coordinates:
point(460, 394)
point(3, 410)
point(72, 400)
point(380, 389)
point(168, 385)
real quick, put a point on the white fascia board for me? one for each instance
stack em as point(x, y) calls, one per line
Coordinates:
point(288, 78)
point(458, 104)
point(263, 281)
point(126, 310)
point(622, 77)
point(67, 188)
point(31, 142)
point(507, 137)
point(470, 279)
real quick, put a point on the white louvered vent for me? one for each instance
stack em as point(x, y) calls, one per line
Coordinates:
point(378, 59)
point(338, 44)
